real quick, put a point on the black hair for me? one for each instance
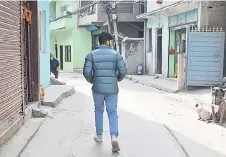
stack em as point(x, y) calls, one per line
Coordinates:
point(104, 37)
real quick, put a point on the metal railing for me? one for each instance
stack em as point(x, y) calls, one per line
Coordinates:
point(78, 11)
point(88, 10)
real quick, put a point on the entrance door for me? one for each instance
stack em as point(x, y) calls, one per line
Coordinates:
point(159, 51)
point(61, 57)
point(56, 50)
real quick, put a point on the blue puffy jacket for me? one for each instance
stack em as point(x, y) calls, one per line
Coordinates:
point(103, 68)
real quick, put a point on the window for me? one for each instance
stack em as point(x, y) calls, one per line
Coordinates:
point(67, 53)
point(150, 40)
point(41, 31)
point(142, 6)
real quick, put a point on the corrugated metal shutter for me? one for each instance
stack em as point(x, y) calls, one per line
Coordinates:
point(10, 63)
point(205, 58)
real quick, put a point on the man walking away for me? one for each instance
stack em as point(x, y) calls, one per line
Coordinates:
point(103, 68)
point(54, 66)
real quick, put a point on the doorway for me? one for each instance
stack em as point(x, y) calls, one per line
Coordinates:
point(61, 57)
point(181, 41)
point(94, 42)
point(159, 51)
point(56, 50)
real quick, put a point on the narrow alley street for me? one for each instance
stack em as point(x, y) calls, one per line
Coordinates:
point(151, 123)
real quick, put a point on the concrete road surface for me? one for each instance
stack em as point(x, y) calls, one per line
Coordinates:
point(151, 123)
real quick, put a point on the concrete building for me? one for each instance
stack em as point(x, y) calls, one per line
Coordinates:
point(158, 32)
point(92, 17)
point(167, 27)
point(69, 43)
point(44, 40)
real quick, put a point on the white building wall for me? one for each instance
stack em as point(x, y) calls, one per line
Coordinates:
point(160, 20)
point(153, 5)
point(154, 23)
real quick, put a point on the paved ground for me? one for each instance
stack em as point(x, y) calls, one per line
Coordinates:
point(168, 85)
point(152, 123)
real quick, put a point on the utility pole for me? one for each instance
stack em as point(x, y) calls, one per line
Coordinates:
point(107, 8)
point(114, 20)
point(110, 9)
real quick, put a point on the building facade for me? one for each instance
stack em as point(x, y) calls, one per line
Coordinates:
point(167, 28)
point(161, 28)
point(69, 43)
point(19, 58)
point(44, 40)
point(93, 17)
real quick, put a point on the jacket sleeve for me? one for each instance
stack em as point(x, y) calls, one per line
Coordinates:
point(88, 68)
point(121, 66)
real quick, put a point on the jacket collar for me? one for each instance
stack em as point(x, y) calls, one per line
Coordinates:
point(104, 47)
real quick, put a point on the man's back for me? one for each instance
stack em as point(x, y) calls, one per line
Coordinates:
point(103, 68)
point(108, 68)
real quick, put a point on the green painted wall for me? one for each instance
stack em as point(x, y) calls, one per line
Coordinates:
point(63, 38)
point(52, 43)
point(59, 3)
point(83, 45)
point(79, 39)
point(52, 10)
point(171, 57)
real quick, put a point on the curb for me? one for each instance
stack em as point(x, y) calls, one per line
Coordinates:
point(54, 81)
point(21, 140)
point(60, 98)
point(31, 138)
point(159, 87)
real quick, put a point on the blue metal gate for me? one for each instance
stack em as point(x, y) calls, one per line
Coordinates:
point(205, 57)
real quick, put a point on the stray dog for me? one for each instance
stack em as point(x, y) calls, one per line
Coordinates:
point(219, 100)
point(204, 114)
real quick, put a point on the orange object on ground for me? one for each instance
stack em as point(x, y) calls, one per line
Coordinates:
point(42, 93)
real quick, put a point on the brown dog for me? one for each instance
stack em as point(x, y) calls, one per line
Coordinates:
point(219, 100)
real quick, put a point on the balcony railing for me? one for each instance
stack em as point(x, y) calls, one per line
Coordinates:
point(88, 10)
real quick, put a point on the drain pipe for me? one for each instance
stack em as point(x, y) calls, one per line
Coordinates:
point(145, 43)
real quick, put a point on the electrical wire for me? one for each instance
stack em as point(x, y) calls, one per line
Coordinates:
point(128, 21)
point(135, 26)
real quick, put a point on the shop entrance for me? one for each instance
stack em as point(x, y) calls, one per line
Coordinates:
point(177, 46)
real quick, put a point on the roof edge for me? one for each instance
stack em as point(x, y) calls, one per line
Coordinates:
point(145, 15)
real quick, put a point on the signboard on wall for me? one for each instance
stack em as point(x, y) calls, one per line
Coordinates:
point(184, 18)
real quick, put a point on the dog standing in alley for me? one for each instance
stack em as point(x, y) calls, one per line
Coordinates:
point(219, 100)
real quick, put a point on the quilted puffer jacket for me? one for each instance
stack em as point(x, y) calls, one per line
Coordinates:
point(104, 68)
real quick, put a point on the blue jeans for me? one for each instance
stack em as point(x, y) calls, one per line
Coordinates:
point(111, 101)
